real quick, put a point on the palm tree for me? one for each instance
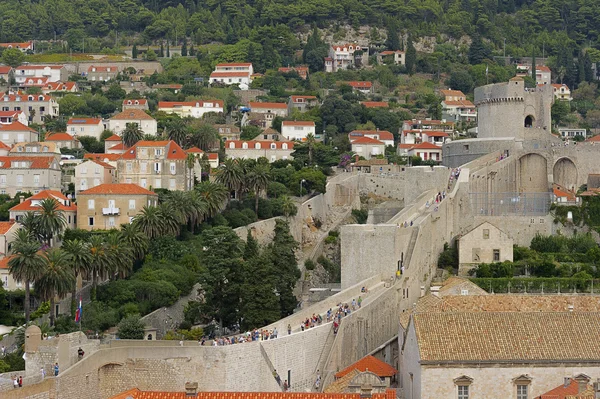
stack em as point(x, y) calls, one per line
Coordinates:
point(149, 222)
point(121, 253)
point(135, 239)
point(132, 134)
point(30, 223)
point(51, 220)
point(204, 137)
point(177, 131)
point(26, 263)
point(198, 209)
point(57, 278)
point(102, 262)
point(287, 205)
point(80, 261)
point(171, 219)
point(231, 175)
point(214, 196)
point(179, 202)
point(258, 179)
point(310, 142)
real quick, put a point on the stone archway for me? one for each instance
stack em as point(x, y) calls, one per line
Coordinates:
point(533, 174)
point(529, 119)
point(565, 173)
point(108, 377)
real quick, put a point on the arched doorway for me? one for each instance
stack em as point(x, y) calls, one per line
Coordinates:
point(529, 119)
point(565, 174)
point(533, 174)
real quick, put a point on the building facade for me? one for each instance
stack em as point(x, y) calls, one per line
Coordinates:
point(193, 109)
point(35, 106)
point(367, 147)
point(254, 149)
point(16, 132)
point(92, 173)
point(382, 135)
point(52, 73)
point(32, 204)
point(233, 74)
point(63, 140)
point(302, 103)
point(228, 132)
point(484, 244)
point(456, 107)
point(102, 73)
point(26, 173)
point(344, 56)
point(108, 206)
point(145, 122)
point(92, 127)
point(298, 130)
point(138, 103)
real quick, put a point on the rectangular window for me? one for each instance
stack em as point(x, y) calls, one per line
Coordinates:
point(496, 255)
point(90, 221)
point(129, 167)
point(158, 152)
point(97, 170)
point(172, 168)
point(111, 222)
point(522, 391)
point(19, 180)
point(463, 392)
point(157, 167)
point(171, 184)
point(157, 183)
point(91, 204)
point(486, 234)
point(143, 167)
point(36, 180)
point(128, 180)
point(143, 183)
point(131, 204)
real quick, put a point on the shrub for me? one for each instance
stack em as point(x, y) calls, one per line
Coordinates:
point(309, 264)
point(330, 240)
point(131, 327)
point(129, 309)
point(360, 215)
point(276, 190)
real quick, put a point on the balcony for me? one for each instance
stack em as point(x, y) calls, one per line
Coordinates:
point(111, 211)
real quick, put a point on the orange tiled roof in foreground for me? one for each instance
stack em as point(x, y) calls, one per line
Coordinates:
point(5, 226)
point(26, 205)
point(102, 157)
point(118, 189)
point(137, 394)
point(569, 392)
point(372, 364)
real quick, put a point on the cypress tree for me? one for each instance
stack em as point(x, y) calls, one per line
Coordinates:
point(411, 56)
point(533, 67)
point(161, 53)
point(192, 51)
point(184, 51)
point(168, 52)
point(134, 52)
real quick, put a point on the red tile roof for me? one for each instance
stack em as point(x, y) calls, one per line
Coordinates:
point(229, 74)
point(569, 392)
point(452, 93)
point(267, 105)
point(24, 97)
point(117, 189)
point(25, 45)
point(4, 262)
point(426, 146)
point(172, 149)
point(16, 127)
point(542, 68)
point(36, 162)
point(38, 67)
point(296, 98)
point(175, 86)
point(194, 150)
point(5, 226)
point(14, 114)
point(132, 113)
point(60, 137)
point(114, 137)
point(594, 138)
point(120, 146)
point(137, 101)
point(103, 68)
point(102, 163)
point(84, 121)
point(558, 85)
point(102, 157)
point(297, 123)
point(26, 206)
point(59, 86)
point(360, 85)
point(372, 364)
point(4, 70)
point(172, 104)
point(4, 146)
point(375, 104)
point(366, 140)
point(235, 64)
point(460, 103)
point(383, 134)
point(264, 144)
point(137, 394)
point(390, 52)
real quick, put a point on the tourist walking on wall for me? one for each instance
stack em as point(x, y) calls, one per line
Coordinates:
point(55, 369)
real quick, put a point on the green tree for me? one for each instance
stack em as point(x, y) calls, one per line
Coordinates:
point(214, 195)
point(258, 180)
point(177, 131)
point(115, 92)
point(478, 51)
point(134, 51)
point(150, 55)
point(131, 327)
point(51, 220)
point(149, 221)
point(132, 134)
point(102, 262)
point(283, 255)
point(135, 239)
point(392, 42)
point(81, 257)
point(26, 264)
point(460, 80)
point(13, 57)
point(57, 279)
point(184, 51)
point(203, 136)
point(168, 50)
point(410, 56)
point(161, 53)
point(533, 66)
point(231, 175)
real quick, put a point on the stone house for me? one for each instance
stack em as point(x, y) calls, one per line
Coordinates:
point(7, 235)
point(193, 109)
point(268, 112)
point(63, 140)
point(382, 135)
point(398, 57)
point(52, 73)
point(32, 204)
point(111, 142)
point(23, 46)
point(456, 107)
point(92, 127)
point(484, 244)
point(228, 132)
point(425, 151)
point(371, 364)
point(298, 130)
point(108, 206)
point(16, 132)
point(145, 122)
point(375, 104)
point(35, 149)
point(561, 92)
point(496, 346)
point(302, 103)
point(138, 103)
point(301, 70)
point(6, 72)
point(102, 73)
point(8, 117)
point(361, 86)
point(344, 56)
point(92, 173)
point(254, 149)
point(60, 87)
point(22, 173)
point(35, 106)
point(367, 147)
point(158, 164)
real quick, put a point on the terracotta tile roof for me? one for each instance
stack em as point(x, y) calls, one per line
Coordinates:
point(561, 193)
point(235, 64)
point(102, 163)
point(27, 206)
point(114, 137)
point(38, 67)
point(200, 103)
point(5, 226)
point(36, 162)
point(297, 123)
point(454, 283)
point(383, 134)
point(507, 336)
point(296, 98)
point(571, 391)
point(340, 384)
point(407, 146)
point(137, 101)
point(375, 104)
point(390, 52)
point(426, 146)
point(264, 144)
point(594, 138)
point(174, 86)
point(103, 68)
point(60, 86)
point(172, 149)
point(4, 69)
point(24, 45)
point(117, 189)
point(4, 146)
point(60, 137)
point(16, 127)
point(367, 140)
point(558, 85)
point(233, 128)
point(12, 97)
point(102, 157)
point(360, 85)
point(132, 113)
point(35, 81)
point(459, 103)
point(267, 105)
point(453, 93)
point(137, 394)
point(4, 262)
point(372, 364)
point(194, 150)
point(229, 74)
point(7, 114)
point(84, 121)
point(120, 146)
point(542, 68)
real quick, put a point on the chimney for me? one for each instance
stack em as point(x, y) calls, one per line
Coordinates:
point(582, 383)
point(567, 382)
point(21, 199)
point(191, 389)
point(356, 157)
point(435, 290)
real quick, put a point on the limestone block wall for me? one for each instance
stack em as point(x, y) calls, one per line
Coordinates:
point(497, 380)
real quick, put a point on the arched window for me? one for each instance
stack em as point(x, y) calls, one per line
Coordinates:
point(245, 146)
point(257, 146)
point(232, 145)
point(529, 121)
point(273, 146)
point(284, 146)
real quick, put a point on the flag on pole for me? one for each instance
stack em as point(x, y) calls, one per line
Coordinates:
point(78, 313)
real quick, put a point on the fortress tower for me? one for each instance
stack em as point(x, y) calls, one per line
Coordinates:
point(509, 110)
